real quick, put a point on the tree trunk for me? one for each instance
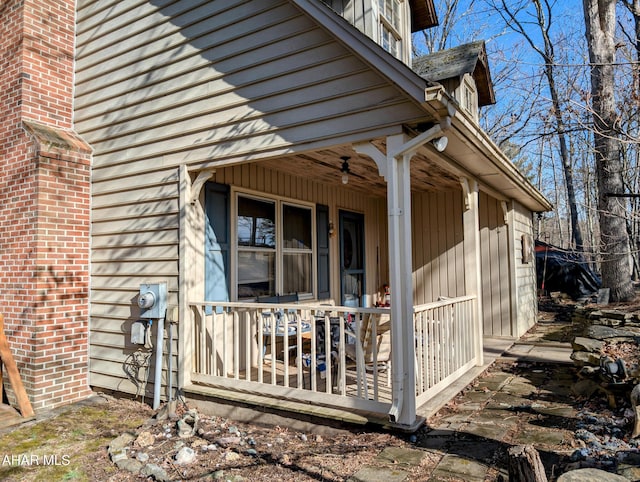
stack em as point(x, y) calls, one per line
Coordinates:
point(600, 21)
point(525, 465)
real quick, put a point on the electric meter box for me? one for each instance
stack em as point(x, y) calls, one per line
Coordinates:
point(152, 300)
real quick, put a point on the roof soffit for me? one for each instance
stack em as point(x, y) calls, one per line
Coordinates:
point(433, 99)
point(423, 15)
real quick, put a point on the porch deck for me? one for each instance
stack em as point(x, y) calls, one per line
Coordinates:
point(258, 406)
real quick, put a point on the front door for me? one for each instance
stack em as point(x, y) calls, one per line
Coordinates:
point(351, 258)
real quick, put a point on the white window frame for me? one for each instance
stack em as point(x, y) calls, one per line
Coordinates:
point(279, 202)
point(386, 26)
point(469, 94)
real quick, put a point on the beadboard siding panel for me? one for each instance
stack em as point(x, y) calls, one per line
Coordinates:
point(438, 256)
point(525, 273)
point(495, 258)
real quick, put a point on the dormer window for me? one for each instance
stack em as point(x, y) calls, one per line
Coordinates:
point(391, 26)
point(469, 96)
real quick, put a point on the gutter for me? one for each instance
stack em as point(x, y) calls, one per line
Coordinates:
point(439, 103)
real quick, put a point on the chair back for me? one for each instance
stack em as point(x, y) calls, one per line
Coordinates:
point(382, 342)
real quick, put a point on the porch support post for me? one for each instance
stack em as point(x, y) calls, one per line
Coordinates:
point(403, 409)
point(471, 244)
point(184, 331)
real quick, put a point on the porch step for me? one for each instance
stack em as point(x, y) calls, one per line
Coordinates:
point(284, 408)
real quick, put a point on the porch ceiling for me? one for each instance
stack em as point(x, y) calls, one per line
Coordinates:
point(324, 166)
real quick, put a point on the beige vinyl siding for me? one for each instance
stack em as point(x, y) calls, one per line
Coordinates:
point(256, 72)
point(525, 273)
point(164, 84)
point(495, 259)
point(438, 258)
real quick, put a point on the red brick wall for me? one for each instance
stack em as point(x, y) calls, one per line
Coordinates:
point(44, 203)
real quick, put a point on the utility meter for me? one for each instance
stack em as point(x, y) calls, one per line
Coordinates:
point(152, 300)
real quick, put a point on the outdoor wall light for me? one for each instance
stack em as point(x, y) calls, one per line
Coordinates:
point(440, 143)
point(332, 229)
point(345, 169)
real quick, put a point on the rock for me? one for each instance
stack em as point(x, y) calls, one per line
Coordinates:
point(130, 465)
point(142, 457)
point(581, 343)
point(188, 424)
point(231, 456)
point(199, 443)
point(156, 472)
point(604, 332)
point(614, 314)
point(582, 358)
point(185, 456)
point(118, 456)
point(590, 475)
point(226, 441)
point(580, 454)
point(121, 443)
point(145, 439)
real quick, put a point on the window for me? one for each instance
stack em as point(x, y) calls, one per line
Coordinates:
point(469, 98)
point(391, 26)
point(256, 235)
point(275, 248)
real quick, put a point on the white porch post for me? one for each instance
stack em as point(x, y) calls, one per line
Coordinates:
point(184, 332)
point(395, 168)
point(403, 410)
point(472, 278)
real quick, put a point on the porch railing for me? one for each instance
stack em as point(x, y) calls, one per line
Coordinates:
point(445, 345)
point(328, 355)
point(313, 353)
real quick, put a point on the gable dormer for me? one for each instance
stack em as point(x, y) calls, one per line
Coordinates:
point(464, 73)
point(388, 22)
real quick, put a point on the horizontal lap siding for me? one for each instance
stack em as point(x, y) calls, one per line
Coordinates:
point(438, 258)
point(189, 88)
point(164, 83)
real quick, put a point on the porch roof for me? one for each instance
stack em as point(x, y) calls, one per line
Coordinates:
point(470, 152)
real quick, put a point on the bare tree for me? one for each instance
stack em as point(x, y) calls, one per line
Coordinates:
point(542, 23)
point(439, 38)
point(600, 23)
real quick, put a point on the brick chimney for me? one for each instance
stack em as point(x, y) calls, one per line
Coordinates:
point(44, 203)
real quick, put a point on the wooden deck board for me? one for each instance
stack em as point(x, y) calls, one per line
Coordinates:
point(9, 416)
point(278, 404)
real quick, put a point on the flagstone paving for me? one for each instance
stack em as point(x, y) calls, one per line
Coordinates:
point(524, 398)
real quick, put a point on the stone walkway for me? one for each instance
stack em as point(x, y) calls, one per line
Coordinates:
point(506, 406)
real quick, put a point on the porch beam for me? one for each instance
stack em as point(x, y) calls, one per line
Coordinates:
point(411, 147)
point(472, 263)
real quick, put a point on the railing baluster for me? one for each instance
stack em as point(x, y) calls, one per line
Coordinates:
point(285, 347)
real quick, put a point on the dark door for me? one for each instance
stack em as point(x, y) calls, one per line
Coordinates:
point(351, 258)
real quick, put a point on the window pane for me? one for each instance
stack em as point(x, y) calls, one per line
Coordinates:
point(256, 274)
point(256, 223)
point(297, 276)
point(296, 227)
